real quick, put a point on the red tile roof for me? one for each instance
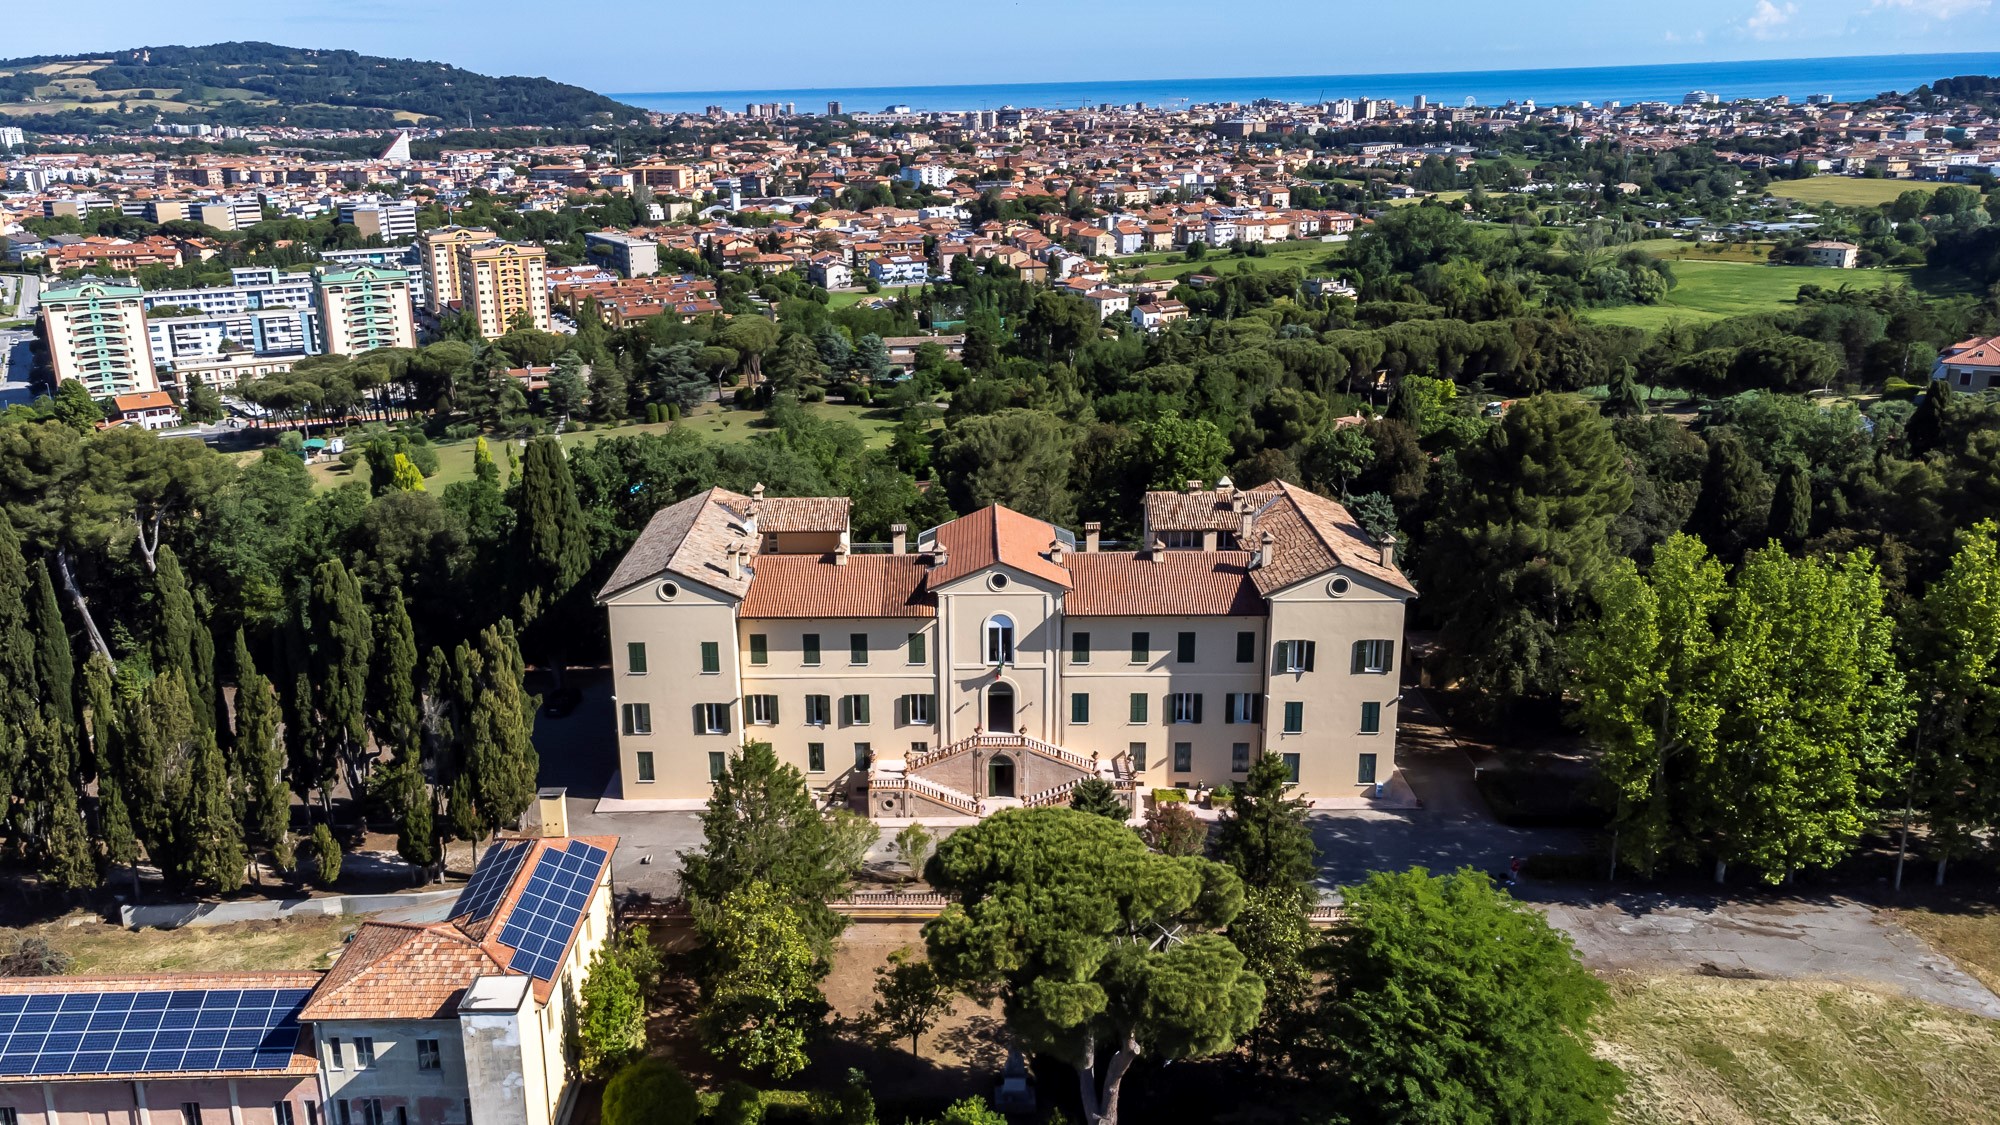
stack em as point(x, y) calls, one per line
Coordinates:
point(1976, 352)
point(994, 535)
point(803, 513)
point(812, 586)
point(1179, 583)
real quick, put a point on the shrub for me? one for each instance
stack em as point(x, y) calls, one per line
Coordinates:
point(650, 1092)
point(1173, 829)
point(740, 1104)
point(1169, 796)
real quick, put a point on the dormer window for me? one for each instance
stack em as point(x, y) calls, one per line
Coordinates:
point(999, 639)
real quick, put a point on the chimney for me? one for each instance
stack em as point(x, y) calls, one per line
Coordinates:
point(1267, 550)
point(1208, 539)
point(757, 492)
point(735, 560)
point(899, 538)
point(1194, 486)
point(1388, 548)
point(1159, 550)
point(1225, 490)
point(1056, 552)
point(552, 811)
point(938, 555)
point(1092, 532)
point(1245, 517)
point(840, 555)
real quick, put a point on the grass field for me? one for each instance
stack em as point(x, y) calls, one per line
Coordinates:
point(455, 457)
point(1710, 290)
point(1971, 938)
point(100, 948)
point(1738, 1052)
point(1846, 191)
point(852, 297)
point(1312, 257)
point(1688, 250)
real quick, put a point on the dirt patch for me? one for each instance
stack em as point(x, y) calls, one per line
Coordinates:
point(101, 948)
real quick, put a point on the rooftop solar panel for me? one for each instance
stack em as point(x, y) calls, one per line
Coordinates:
point(124, 1033)
point(490, 881)
point(539, 927)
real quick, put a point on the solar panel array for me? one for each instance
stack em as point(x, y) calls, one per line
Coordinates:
point(55, 1033)
point(490, 881)
point(540, 925)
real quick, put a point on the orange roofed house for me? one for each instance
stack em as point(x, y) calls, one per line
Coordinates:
point(996, 661)
point(462, 1021)
point(1970, 365)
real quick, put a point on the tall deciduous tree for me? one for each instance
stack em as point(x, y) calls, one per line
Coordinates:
point(1522, 539)
point(1451, 1002)
point(1102, 952)
point(760, 996)
point(1953, 777)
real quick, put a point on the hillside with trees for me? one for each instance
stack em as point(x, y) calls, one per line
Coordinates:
point(267, 84)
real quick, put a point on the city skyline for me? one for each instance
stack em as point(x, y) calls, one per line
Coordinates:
point(1138, 43)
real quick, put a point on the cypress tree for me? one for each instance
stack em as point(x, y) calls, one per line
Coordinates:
point(260, 757)
point(160, 750)
point(174, 643)
point(483, 468)
point(55, 836)
point(121, 842)
point(207, 698)
point(342, 647)
point(393, 708)
point(416, 830)
point(55, 663)
point(100, 755)
point(553, 544)
point(18, 686)
point(499, 748)
point(1730, 511)
point(1791, 507)
point(1931, 423)
point(1625, 400)
point(211, 845)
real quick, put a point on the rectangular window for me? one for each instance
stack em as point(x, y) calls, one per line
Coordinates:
point(1291, 767)
point(1183, 757)
point(1244, 707)
point(635, 658)
point(919, 710)
point(364, 1052)
point(718, 764)
point(1367, 774)
point(1138, 714)
point(809, 650)
point(854, 710)
point(335, 1058)
point(346, 1117)
point(1184, 648)
point(190, 1113)
point(645, 763)
point(281, 1114)
point(1079, 707)
point(1239, 757)
point(1079, 648)
point(760, 709)
point(637, 718)
point(815, 757)
point(1374, 656)
point(864, 755)
point(857, 648)
point(1371, 718)
point(819, 710)
point(1138, 752)
point(1142, 648)
point(312, 1113)
point(427, 1055)
point(402, 1115)
point(1295, 656)
point(1246, 648)
point(711, 658)
point(371, 1111)
point(1184, 707)
point(1295, 717)
point(919, 748)
point(760, 649)
point(919, 649)
point(711, 718)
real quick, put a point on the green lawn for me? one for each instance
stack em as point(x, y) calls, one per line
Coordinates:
point(1311, 256)
point(1846, 191)
point(1704, 1049)
point(851, 298)
point(1709, 290)
point(455, 457)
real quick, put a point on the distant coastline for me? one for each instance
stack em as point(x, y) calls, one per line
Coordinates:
point(1846, 78)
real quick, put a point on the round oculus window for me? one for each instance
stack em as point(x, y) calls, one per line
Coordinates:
point(997, 582)
point(1337, 587)
point(668, 591)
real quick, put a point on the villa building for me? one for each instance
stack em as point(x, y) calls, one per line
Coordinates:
point(996, 661)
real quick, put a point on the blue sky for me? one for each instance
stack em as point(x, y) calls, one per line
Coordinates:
point(632, 47)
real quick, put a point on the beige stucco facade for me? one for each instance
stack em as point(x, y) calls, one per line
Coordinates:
point(97, 336)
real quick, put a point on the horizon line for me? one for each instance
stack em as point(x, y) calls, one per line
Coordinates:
point(1297, 77)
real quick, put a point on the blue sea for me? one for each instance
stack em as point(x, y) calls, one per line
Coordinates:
point(1844, 78)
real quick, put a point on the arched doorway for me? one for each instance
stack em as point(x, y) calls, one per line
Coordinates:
point(1000, 709)
point(1000, 776)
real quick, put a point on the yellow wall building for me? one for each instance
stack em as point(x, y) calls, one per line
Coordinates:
point(97, 336)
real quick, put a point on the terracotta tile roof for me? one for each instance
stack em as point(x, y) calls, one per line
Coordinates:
point(688, 539)
point(400, 970)
point(1180, 583)
point(1976, 352)
point(1313, 535)
point(1198, 511)
point(812, 586)
point(803, 513)
point(994, 534)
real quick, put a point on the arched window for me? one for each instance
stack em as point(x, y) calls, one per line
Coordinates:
point(999, 639)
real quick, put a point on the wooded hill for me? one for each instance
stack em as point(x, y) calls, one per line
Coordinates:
point(266, 84)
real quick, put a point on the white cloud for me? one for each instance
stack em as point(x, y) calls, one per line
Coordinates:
point(1935, 9)
point(1765, 22)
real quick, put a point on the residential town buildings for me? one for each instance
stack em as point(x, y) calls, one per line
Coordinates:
point(365, 308)
point(97, 335)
